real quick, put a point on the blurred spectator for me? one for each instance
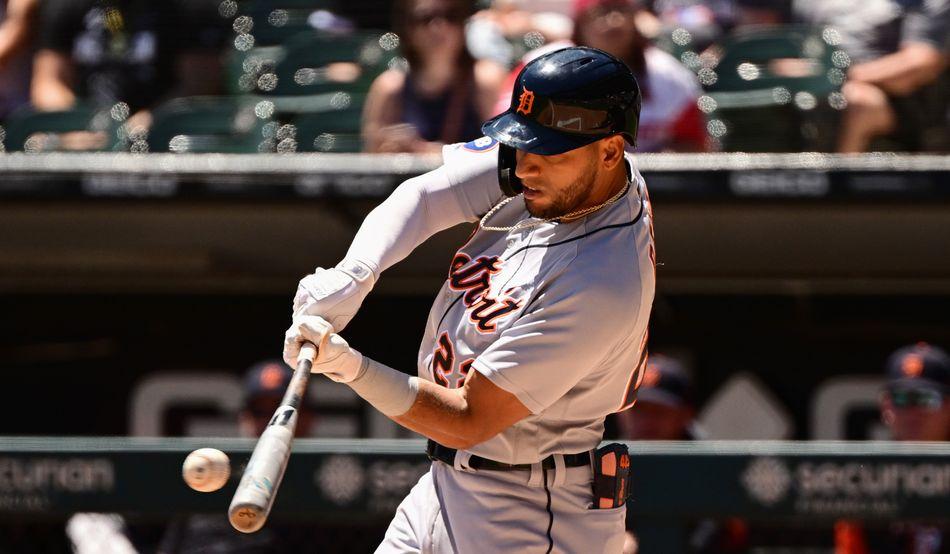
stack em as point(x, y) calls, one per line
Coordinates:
point(706, 20)
point(670, 120)
point(915, 406)
point(17, 23)
point(898, 50)
point(506, 30)
point(443, 96)
point(105, 52)
point(264, 386)
point(665, 410)
point(750, 13)
point(665, 406)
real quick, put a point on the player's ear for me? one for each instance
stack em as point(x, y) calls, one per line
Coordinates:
point(611, 151)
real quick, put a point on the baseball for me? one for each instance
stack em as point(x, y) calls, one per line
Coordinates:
point(206, 469)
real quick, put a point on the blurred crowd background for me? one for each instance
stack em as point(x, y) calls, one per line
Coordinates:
point(410, 75)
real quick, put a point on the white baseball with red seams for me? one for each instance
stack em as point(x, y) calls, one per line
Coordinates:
point(206, 469)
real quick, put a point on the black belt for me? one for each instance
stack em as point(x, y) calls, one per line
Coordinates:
point(444, 454)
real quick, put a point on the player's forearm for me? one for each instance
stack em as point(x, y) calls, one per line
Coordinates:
point(442, 415)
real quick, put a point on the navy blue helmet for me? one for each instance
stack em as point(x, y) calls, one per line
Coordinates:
point(564, 100)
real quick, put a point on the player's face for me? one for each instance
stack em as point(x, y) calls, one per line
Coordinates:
point(915, 417)
point(560, 184)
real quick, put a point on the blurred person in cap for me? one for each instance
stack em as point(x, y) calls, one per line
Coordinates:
point(264, 386)
point(664, 408)
point(915, 406)
point(670, 119)
point(93, 533)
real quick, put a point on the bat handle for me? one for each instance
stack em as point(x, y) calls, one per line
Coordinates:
point(308, 353)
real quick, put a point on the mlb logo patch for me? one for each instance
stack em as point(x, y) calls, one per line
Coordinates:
point(480, 145)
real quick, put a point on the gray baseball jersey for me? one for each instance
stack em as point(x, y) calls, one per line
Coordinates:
point(555, 314)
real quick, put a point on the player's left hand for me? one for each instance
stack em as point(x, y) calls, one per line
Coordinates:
point(335, 358)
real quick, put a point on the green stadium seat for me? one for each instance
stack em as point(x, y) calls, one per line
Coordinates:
point(318, 62)
point(211, 124)
point(776, 89)
point(274, 21)
point(244, 68)
point(329, 131)
point(44, 131)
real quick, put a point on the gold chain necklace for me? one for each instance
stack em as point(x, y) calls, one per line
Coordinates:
point(534, 221)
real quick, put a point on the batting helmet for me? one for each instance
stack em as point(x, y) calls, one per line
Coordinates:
point(564, 100)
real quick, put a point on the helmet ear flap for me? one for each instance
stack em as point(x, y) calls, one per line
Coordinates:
point(507, 164)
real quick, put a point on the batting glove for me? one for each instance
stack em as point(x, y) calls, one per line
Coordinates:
point(335, 358)
point(334, 294)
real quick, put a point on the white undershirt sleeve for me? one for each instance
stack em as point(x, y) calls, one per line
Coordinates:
point(462, 189)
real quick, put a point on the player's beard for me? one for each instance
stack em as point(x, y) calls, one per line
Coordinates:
point(570, 198)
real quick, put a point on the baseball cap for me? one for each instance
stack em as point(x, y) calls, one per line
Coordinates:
point(266, 379)
point(921, 366)
point(666, 381)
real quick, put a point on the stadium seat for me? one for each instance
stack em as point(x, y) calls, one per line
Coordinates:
point(274, 21)
point(211, 124)
point(44, 131)
point(318, 62)
point(776, 89)
point(329, 131)
point(244, 68)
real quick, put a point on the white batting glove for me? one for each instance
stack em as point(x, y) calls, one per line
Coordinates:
point(334, 294)
point(304, 328)
point(335, 358)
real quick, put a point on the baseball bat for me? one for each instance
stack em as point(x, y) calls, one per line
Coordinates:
point(258, 487)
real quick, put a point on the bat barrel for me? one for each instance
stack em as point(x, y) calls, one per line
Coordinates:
point(255, 493)
point(258, 487)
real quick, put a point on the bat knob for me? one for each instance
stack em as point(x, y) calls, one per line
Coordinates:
point(246, 519)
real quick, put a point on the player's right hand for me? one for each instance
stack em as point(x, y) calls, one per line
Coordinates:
point(304, 328)
point(335, 358)
point(334, 294)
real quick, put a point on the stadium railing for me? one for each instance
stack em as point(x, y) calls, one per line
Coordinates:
point(673, 482)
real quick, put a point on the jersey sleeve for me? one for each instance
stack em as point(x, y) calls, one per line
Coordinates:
point(567, 332)
point(461, 190)
point(472, 169)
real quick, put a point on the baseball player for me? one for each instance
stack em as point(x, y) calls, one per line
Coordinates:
point(538, 332)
